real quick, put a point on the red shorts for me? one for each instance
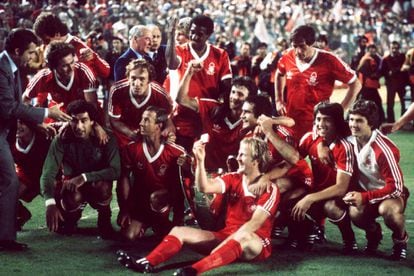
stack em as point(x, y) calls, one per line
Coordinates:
point(266, 249)
point(301, 173)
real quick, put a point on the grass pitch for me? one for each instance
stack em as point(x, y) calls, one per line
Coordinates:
point(86, 254)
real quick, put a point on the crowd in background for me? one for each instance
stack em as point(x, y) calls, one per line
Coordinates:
point(236, 20)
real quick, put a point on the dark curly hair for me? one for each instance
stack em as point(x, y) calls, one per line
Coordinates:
point(57, 50)
point(48, 24)
point(367, 109)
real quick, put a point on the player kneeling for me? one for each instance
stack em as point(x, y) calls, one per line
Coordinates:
point(88, 168)
point(248, 224)
point(381, 190)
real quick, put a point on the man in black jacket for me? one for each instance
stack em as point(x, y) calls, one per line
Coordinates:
point(20, 49)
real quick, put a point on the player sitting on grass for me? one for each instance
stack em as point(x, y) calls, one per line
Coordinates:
point(249, 218)
point(293, 180)
point(381, 190)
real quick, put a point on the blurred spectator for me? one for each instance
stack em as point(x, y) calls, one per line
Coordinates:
point(157, 54)
point(115, 52)
point(322, 42)
point(395, 79)
point(369, 74)
point(241, 64)
point(360, 52)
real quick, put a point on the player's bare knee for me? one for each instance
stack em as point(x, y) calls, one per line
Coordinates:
point(243, 237)
point(130, 233)
point(179, 232)
point(355, 213)
point(332, 210)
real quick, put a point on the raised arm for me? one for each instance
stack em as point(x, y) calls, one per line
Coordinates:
point(203, 183)
point(170, 54)
point(288, 152)
point(182, 95)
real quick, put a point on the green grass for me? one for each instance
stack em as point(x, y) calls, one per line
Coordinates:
point(85, 254)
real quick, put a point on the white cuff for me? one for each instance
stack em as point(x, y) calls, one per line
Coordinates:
point(84, 177)
point(50, 201)
point(46, 113)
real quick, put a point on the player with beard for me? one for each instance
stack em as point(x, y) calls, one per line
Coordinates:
point(221, 121)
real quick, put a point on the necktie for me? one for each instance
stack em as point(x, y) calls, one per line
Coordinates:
point(18, 86)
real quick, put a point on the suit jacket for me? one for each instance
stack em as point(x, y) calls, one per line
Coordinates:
point(160, 65)
point(122, 62)
point(11, 106)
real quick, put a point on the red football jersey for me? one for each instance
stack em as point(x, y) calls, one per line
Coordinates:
point(98, 65)
point(300, 171)
point(285, 134)
point(151, 172)
point(241, 204)
point(204, 84)
point(225, 136)
point(325, 175)
point(122, 104)
point(29, 161)
point(310, 83)
point(46, 83)
point(380, 176)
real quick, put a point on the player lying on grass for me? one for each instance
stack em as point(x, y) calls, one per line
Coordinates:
point(249, 218)
point(381, 190)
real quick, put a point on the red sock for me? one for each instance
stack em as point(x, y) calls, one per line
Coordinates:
point(169, 246)
point(226, 254)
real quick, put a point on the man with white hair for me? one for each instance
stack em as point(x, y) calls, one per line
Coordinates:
point(139, 47)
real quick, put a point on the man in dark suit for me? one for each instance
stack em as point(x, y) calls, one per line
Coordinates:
point(20, 49)
point(139, 48)
point(157, 54)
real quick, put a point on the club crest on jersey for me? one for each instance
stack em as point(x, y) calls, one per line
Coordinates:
point(211, 69)
point(289, 75)
point(140, 166)
point(162, 170)
point(313, 79)
point(216, 128)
